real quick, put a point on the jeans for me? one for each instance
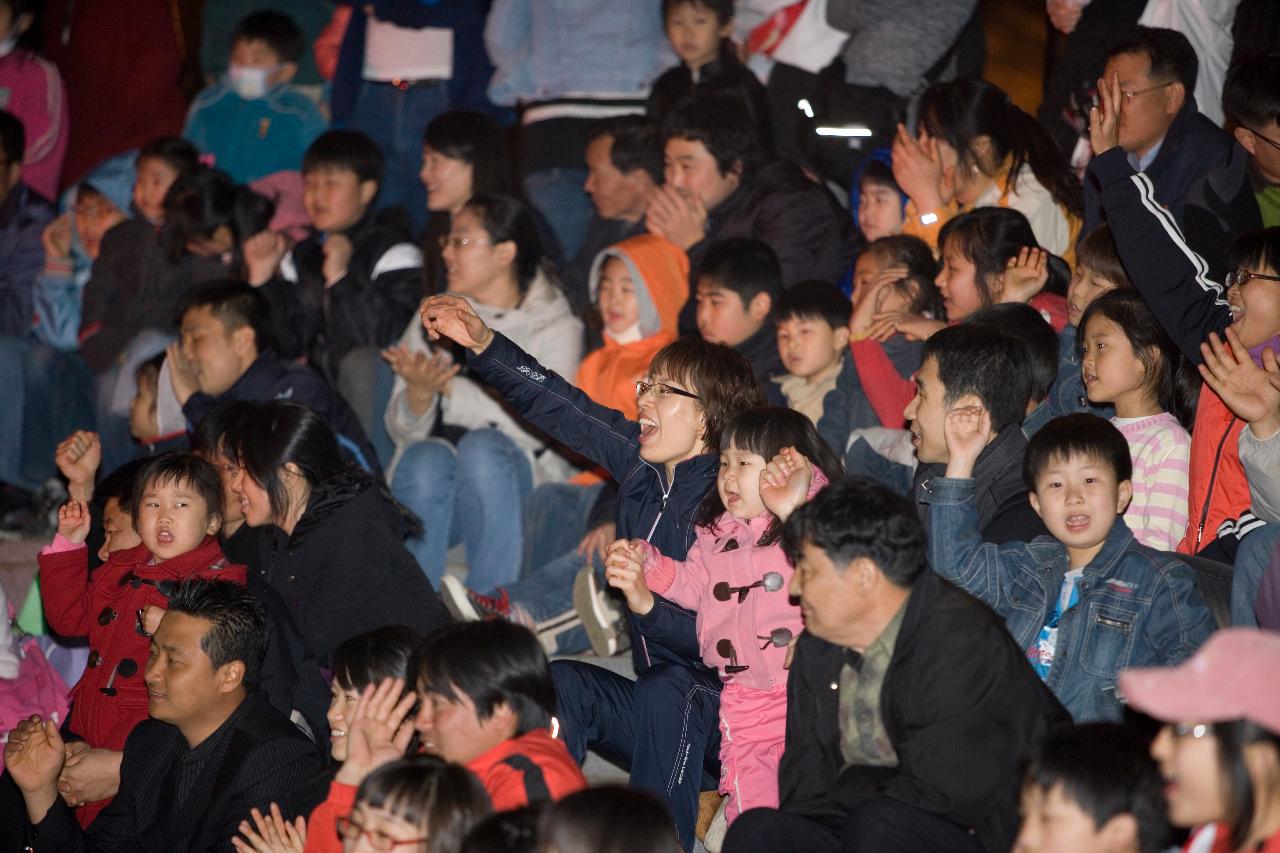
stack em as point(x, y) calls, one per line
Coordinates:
point(559, 197)
point(663, 727)
point(1253, 556)
point(48, 395)
point(556, 518)
point(877, 825)
point(473, 493)
point(396, 119)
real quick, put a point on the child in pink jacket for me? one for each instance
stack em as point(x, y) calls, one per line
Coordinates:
point(736, 577)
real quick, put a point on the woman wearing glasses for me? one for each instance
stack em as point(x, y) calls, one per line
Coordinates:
point(1174, 281)
point(464, 463)
point(1219, 750)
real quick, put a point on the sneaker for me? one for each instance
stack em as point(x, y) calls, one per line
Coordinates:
point(469, 606)
point(600, 616)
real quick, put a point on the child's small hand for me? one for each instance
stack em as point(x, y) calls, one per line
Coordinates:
point(866, 303)
point(624, 571)
point(337, 257)
point(913, 327)
point(263, 253)
point(784, 482)
point(1025, 276)
point(56, 238)
point(74, 521)
point(150, 617)
point(78, 457)
point(967, 429)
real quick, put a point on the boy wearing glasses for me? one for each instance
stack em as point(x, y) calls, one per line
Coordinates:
point(176, 512)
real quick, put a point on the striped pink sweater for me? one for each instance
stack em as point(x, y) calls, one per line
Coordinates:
point(1161, 451)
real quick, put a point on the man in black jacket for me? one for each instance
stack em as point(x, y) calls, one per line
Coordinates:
point(212, 750)
point(225, 354)
point(718, 186)
point(909, 706)
point(1242, 195)
point(977, 359)
point(1161, 131)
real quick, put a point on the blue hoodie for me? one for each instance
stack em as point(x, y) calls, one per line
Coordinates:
point(57, 291)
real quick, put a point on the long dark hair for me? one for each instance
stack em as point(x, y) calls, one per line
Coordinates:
point(205, 199)
point(960, 111)
point(1171, 379)
point(506, 218)
point(989, 237)
point(765, 431)
point(1233, 736)
point(269, 436)
point(476, 140)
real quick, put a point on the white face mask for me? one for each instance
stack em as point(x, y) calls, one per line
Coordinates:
point(249, 83)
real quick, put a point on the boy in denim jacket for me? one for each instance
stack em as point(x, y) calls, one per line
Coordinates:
point(1087, 601)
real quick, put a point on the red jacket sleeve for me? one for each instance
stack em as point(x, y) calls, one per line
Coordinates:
point(64, 591)
point(885, 388)
point(322, 826)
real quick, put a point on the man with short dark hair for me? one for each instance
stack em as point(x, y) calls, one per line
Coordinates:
point(1161, 131)
point(1243, 194)
point(224, 354)
point(213, 749)
point(624, 168)
point(909, 706)
point(718, 185)
point(978, 360)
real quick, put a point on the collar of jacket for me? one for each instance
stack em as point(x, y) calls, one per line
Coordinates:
point(204, 554)
point(1119, 540)
point(698, 468)
point(328, 498)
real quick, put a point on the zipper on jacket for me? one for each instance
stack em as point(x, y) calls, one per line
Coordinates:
point(1213, 476)
point(666, 493)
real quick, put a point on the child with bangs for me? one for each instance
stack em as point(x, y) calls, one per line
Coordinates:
point(176, 513)
point(771, 461)
point(664, 464)
point(1098, 271)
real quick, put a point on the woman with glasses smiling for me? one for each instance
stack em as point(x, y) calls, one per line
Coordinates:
point(1219, 749)
point(464, 463)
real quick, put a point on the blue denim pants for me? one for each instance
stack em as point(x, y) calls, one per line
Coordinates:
point(396, 119)
point(472, 493)
point(1253, 556)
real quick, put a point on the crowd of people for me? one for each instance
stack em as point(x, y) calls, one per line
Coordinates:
point(376, 371)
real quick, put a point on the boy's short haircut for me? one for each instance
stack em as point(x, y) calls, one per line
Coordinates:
point(1106, 769)
point(724, 126)
point(982, 361)
point(1250, 95)
point(1170, 52)
point(12, 137)
point(745, 265)
point(181, 468)
point(239, 629)
point(1028, 327)
point(722, 376)
point(174, 151)
point(345, 150)
point(235, 304)
point(1097, 253)
point(637, 144)
point(119, 485)
point(878, 173)
point(493, 663)
point(814, 300)
point(854, 517)
point(276, 31)
point(723, 9)
point(1080, 434)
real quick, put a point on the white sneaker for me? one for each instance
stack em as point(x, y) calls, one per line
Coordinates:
point(718, 829)
point(453, 593)
point(600, 616)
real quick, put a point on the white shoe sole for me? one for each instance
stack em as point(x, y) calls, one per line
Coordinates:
point(454, 594)
point(598, 618)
